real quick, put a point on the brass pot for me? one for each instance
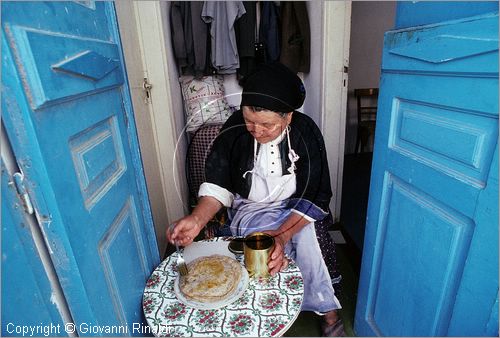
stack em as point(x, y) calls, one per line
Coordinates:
point(256, 249)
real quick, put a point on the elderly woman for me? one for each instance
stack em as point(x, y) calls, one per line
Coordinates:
point(268, 166)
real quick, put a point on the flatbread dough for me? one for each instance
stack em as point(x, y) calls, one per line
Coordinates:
point(211, 278)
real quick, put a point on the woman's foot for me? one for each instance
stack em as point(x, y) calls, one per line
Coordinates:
point(332, 325)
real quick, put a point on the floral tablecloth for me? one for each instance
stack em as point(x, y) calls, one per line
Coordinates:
point(267, 308)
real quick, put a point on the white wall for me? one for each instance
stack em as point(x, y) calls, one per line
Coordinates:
point(177, 103)
point(369, 21)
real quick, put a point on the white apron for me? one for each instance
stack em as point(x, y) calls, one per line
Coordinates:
point(272, 188)
point(266, 209)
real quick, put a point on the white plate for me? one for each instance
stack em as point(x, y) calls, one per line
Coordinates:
point(237, 293)
point(199, 249)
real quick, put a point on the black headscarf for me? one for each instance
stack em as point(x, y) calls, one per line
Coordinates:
point(275, 87)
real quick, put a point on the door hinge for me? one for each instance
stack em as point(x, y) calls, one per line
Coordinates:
point(346, 72)
point(147, 90)
point(21, 190)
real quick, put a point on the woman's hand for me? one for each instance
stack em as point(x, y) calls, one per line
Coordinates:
point(277, 261)
point(187, 228)
point(293, 224)
point(184, 230)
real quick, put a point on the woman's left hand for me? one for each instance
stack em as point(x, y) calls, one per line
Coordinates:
point(277, 261)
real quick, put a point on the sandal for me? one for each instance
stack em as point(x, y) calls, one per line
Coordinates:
point(333, 330)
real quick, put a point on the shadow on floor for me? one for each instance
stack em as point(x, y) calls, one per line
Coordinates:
point(355, 189)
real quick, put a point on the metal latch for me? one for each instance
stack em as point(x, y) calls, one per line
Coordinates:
point(147, 90)
point(21, 190)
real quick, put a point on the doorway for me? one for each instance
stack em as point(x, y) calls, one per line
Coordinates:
point(369, 21)
point(160, 113)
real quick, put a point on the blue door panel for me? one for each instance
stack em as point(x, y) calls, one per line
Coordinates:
point(472, 51)
point(73, 134)
point(36, 14)
point(124, 277)
point(479, 286)
point(17, 127)
point(433, 133)
point(492, 326)
point(436, 90)
point(432, 224)
point(413, 13)
point(437, 134)
point(72, 66)
point(425, 290)
point(26, 289)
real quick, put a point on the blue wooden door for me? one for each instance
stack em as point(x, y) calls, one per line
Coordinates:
point(67, 113)
point(28, 291)
point(430, 257)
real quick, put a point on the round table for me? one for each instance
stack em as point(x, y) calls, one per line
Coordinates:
point(267, 308)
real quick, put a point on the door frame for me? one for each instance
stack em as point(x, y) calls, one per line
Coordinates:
point(161, 134)
point(159, 131)
point(336, 33)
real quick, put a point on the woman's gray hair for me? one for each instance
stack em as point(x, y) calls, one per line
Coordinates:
point(259, 109)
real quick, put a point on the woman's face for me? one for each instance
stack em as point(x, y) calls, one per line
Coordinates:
point(265, 125)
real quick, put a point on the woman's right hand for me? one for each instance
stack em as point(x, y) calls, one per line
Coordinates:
point(184, 230)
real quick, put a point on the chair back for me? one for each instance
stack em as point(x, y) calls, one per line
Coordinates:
point(366, 104)
point(199, 147)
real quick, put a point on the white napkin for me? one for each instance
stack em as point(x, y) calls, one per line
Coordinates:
point(199, 249)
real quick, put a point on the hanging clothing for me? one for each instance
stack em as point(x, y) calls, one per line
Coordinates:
point(296, 36)
point(190, 38)
point(222, 16)
point(245, 30)
point(269, 32)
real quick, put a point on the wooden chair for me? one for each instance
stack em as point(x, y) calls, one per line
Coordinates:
point(366, 100)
